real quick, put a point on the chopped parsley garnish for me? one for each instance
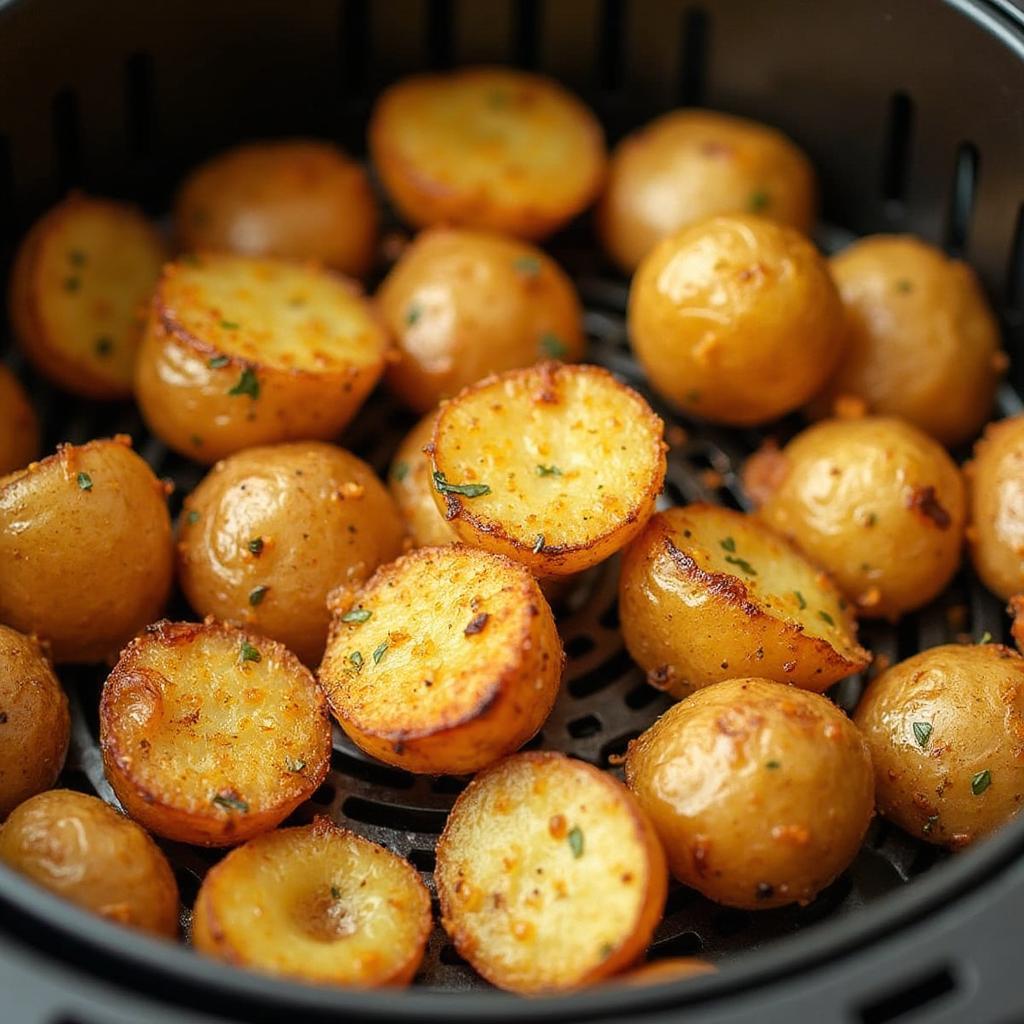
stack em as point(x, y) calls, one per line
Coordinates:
point(218, 361)
point(192, 517)
point(772, 765)
point(104, 346)
point(552, 345)
point(71, 284)
point(196, 440)
point(356, 615)
point(356, 659)
point(575, 838)
point(231, 802)
point(800, 600)
point(256, 546)
point(466, 490)
point(84, 482)
point(870, 519)
point(528, 266)
point(412, 314)
point(538, 544)
point(742, 564)
point(981, 781)
point(335, 893)
point(548, 470)
point(922, 731)
point(759, 200)
point(249, 653)
point(379, 652)
point(76, 258)
point(248, 384)
point(399, 471)
point(903, 285)
point(825, 617)
point(257, 594)
point(986, 638)
point(606, 950)
point(728, 544)
point(294, 764)
point(229, 325)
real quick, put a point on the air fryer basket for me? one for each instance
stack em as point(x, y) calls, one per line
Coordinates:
point(913, 112)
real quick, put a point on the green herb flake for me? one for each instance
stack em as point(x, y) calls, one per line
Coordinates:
point(294, 764)
point(230, 802)
point(922, 731)
point(728, 544)
point(229, 325)
point(76, 258)
point(606, 950)
point(870, 519)
point(552, 345)
point(801, 603)
point(335, 893)
point(528, 266)
point(538, 544)
point(104, 346)
point(981, 781)
point(249, 653)
point(759, 200)
point(72, 284)
point(548, 470)
point(84, 482)
point(442, 486)
point(356, 660)
point(412, 314)
point(986, 638)
point(399, 471)
point(192, 517)
point(692, 397)
point(379, 652)
point(257, 594)
point(575, 838)
point(772, 765)
point(356, 615)
point(825, 617)
point(256, 546)
point(218, 361)
point(248, 384)
point(742, 564)
point(196, 440)
point(904, 286)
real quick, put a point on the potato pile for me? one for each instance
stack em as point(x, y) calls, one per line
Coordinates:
point(415, 612)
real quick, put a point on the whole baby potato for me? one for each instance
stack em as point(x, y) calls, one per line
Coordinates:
point(19, 427)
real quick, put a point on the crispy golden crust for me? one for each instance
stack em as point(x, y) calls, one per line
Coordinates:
point(19, 427)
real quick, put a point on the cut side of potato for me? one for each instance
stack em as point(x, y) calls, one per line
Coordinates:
point(447, 660)
point(317, 903)
point(707, 594)
point(212, 734)
point(555, 466)
point(549, 875)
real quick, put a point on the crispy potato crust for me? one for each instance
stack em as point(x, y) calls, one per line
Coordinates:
point(409, 480)
point(212, 734)
point(550, 876)
point(19, 427)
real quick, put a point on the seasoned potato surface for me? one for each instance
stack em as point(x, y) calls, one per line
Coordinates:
point(412, 487)
point(19, 427)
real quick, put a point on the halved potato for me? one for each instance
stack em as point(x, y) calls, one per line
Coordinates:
point(445, 661)
point(549, 874)
point(19, 428)
point(706, 593)
point(239, 352)
point(555, 466)
point(86, 551)
point(489, 148)
point(212, 734)
point(413, 488)
point(78, 291)
point(317, 903)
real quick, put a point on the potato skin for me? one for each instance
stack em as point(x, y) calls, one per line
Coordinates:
point(294, 199)
point(82, 849)
point(85, 541)
point(462, 304)
point(736, 319)
point(320, 519)
point(34, 722)
point(760, 792)
point(19, 427)
point(688, 165)
point(936, 723)
point(878, 504)
point(413, 490)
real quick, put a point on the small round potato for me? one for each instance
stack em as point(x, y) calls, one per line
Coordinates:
point(86, 550)
point(211, 734)
point(293, 199)
point(877, 503)
point(79, 287)
point(491, 148)
point(760, 792)
point(706, 593)
point(83, 850)
point(34, 722)
point(271, 531)
point(945, 730)
point(736, 319)
point(447, 660)
point(413, 489)
point(462, 304)
point(555, 466)
point(240, 351)
point(19, 428)
point(550, 876)
point(921, 341)
point(995, 480)
point(688, 165)
point(316, 903)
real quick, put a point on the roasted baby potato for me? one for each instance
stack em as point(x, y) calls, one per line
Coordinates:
point(760, 792)
point(462, 304)
point(78, 291)
point(688, 165)
point(412, 487)
point(491, 148)
point(211, 734)
point(945, 729)
point(921, 341)
point(270, 531)
point(240, 351)
point(995, 480)
point(550, 876)
point(19, 428)
point(706, 593)
point(34, 722)
point(555, 466)
point(294, 199)
point(316, 903)
point(736, 319)
point(876, 502)
point(85, 545)
point(447, 660)
point(82, 849)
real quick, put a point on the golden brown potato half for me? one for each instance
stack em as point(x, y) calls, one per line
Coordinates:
point(945, 728)
point(85, 545)
point(706, 593)
point(921, 341)
point(79, 287)
point(19, 427)
point(555, 466)
point(270, 531)
point(316, 903)
point(736, 319)
point(412, 487)
point(83, 850)
point(489, 148)
point(688, 165)
point(447, 660)
point(760, 792)
point(462, 304)
point(240, 351)
point(657, 972)
point(876, 502)
point(34, 722)
point(293, 199)
point(212, 734)
point(995, 479)
point(550, 876)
